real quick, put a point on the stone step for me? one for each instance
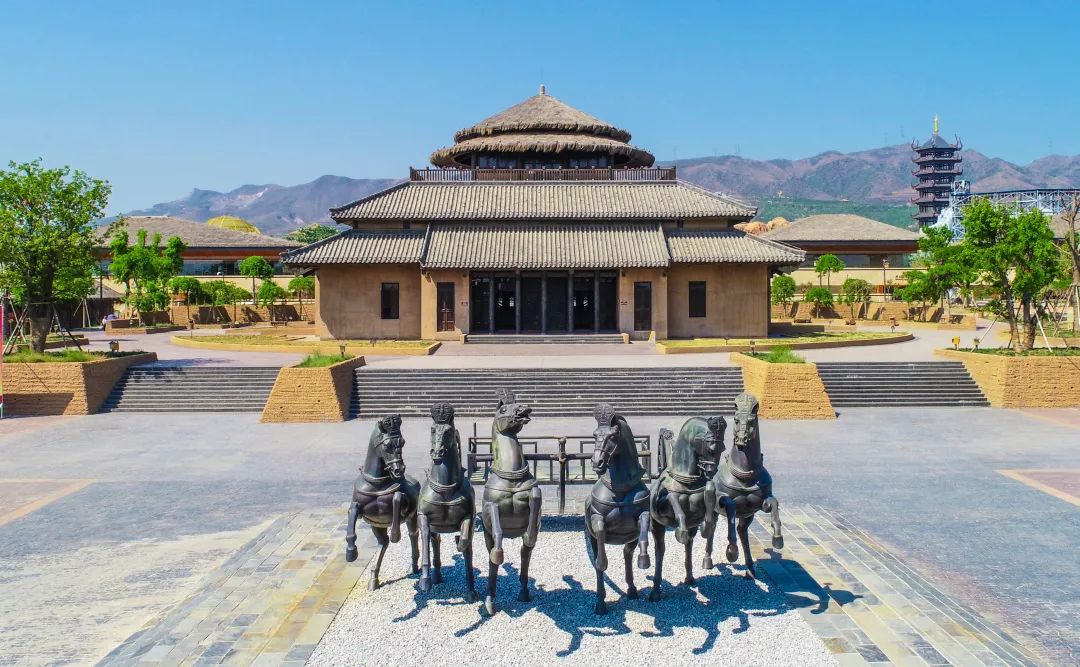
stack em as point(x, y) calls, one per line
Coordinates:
point(546, 339)
point(192, 389)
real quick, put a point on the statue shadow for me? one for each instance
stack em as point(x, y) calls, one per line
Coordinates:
point(807, 592)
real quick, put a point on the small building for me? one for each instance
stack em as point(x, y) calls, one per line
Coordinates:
point(874, 251)
point(211, 251)
point(542, 219)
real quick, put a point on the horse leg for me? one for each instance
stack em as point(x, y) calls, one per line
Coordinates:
point(535, 505)
point(495, 551)
point(526, 557)
point(493, 572)
point(710, 524)
point(436, 558)
point(425, 566)
point(597, 546)
point(350, 532)
point(628, 563)
point(414, 547)
point(465, 533)
point(682, 533)
point(772, 506)
point(729, 511)
point(598, 531)
point(384, 541)
point(643, 540)
point(658, 530)
point(688, 560)
point(470, 576)
point(744, 537)
point(395, 516)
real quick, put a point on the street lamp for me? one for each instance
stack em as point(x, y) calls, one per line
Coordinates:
point(884, 280)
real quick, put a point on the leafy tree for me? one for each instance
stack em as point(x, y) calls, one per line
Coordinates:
point(190, 287)
point(783, 289)
point(221, 293)
point(298, 287)
point(47, 237)
point(312, 233)
point(947, 263)
point(826, 265)
point(1071, 250)
point(270, 292)
point(920, 289)
point(145, 269)
point(256, 267)
point(821, 297)
point(855, 292)
point(1016, 257)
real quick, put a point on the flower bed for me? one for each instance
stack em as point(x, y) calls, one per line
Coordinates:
point(301, 345)
point(312, 394)
point(1039, 379)
point(63, 383)
point(803, 340)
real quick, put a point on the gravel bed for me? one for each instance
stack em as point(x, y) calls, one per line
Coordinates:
point(723, 617)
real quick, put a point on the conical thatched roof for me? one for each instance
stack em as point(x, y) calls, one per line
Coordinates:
point(778, 222)
point(234, 223)
point(543, 124)
point(756, 227)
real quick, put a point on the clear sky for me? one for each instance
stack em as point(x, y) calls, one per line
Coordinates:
point(161, 97)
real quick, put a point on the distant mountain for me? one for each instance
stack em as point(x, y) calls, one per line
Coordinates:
point(879, 176)
point(274, 209)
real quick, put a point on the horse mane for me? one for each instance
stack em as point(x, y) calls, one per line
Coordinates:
point(627, 435)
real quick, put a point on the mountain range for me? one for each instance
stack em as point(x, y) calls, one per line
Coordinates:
point(880, 176)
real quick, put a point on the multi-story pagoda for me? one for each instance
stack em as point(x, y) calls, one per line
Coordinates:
point(542, 219)
point(937, 166)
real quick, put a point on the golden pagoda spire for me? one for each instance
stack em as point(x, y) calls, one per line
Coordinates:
point(935, 124)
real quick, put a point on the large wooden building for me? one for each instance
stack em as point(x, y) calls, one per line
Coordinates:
point(543, 219)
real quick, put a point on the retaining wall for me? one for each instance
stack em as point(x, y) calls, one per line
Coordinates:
point(785, 391)
point(78, 388)
point(1023, 382)
point(312, 394)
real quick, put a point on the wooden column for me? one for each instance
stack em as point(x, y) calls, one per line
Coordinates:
point(517, 302)
point(570, 301)
point(491, 303)
point(596, 301)
point(543, 302)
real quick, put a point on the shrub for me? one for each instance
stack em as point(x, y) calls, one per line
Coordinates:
point(319, 360)
point(781, 354)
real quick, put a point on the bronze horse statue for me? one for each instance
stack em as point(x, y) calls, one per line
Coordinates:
point(447, 503)
point(683, 496)
point(617, 510)
point(512, 499)
point(384, 496)
point(743, 485)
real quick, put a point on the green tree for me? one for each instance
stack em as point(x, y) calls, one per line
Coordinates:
point(1016, 257)
point(299, 287)
point(855, 292)
point(47, 237)
point(312, 233)
point(190, 287)
point(920, 289)
point(783, 289)
point(821, 297)
point(145, 269)
point(1071, 249)
point(256, 267)
point(826, 265)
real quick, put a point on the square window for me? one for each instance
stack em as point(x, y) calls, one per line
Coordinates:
point(697, 298)
point(389, 301)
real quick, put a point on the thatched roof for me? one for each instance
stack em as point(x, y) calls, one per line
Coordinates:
point(841, 227)
point(546, 125)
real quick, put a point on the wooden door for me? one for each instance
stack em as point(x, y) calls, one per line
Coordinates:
point(643, 306)
point(444, 306)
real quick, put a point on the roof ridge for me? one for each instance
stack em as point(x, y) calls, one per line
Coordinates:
point(362, 200)
point(726, 198)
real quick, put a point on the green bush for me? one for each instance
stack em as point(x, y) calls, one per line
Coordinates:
point(821, 297)
point(320, 360)
point(854, 292)
point(781, 354)
point(783, 289)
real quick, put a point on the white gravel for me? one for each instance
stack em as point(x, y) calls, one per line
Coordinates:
point(724, 618)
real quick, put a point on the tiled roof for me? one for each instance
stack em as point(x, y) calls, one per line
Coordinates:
point(692, 246)
point(556, 200)
point(199, 235)
point(362, 247)
point(840, 227)
point(545, 246)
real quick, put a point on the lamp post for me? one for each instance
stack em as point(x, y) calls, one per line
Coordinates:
point(884, 280)
point(217, 315)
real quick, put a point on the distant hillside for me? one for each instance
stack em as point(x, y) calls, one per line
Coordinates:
point(875, 183)
point(274, 209)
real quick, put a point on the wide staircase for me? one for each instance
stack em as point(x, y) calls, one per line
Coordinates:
point(898, 384)
point(551, 392)
point(192, 389)
point(546, 339)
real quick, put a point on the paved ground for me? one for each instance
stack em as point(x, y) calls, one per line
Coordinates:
point(173, 498)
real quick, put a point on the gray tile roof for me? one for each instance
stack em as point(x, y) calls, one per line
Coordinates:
point(555, 200)
point(840, 227)
point(693, 246)
point(362, 247)
point(545, 246)
point(199, 235)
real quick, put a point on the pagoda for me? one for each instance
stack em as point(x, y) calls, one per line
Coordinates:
point(937, 166)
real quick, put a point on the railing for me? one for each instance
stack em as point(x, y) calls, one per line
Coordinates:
point(560, 460)
point(931, 171)
point(466, 175)
point(931, 158)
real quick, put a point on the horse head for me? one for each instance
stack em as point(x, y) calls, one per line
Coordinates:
point(444, 441)
point(386, 443)
point(708, 443)
point(510, 416)
point(746, 421)
point(606, 436)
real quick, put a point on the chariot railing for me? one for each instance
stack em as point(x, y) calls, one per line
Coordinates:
point(553, 459)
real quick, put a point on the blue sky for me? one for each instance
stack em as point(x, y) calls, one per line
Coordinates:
point(162, 97)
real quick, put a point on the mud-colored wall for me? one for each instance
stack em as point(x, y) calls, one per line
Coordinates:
point(737, 300)
point(350, 305)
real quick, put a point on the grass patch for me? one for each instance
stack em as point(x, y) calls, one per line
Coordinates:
point(1037, 352)
point(781, 354)
point(811, 337)
point(320, 360)
point(60, 357)
point(256, 339)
